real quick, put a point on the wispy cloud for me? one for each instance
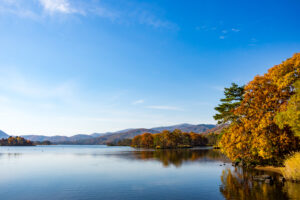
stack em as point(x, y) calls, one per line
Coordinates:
point(18, 8)
point(219, 30)
point(235, 30)
point(253, 42)
point(227, 32)
point(148, 18)
point(16, 83)
point(131, 13)
point(62, 6)
point(224, 31)
point(140, 101)
point(163, 107)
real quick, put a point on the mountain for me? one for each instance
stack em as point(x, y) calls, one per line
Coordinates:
point(217, 129)
point(103, 138)
point(130, 133)
point(3, 135)
point(200, 128)
point(97, 134)
point(57, 139)
point(113, 137)
point(40, 138)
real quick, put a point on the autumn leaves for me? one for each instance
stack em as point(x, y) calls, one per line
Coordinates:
point(253, 134)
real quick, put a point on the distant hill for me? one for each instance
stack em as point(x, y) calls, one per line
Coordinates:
point(130, 133)
point(200, 128)
point(3, 135)
point(56, 139)
point(103, 138)
point(112, 137)
point(217, 129)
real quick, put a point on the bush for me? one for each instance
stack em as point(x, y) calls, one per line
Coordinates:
point(291, 170)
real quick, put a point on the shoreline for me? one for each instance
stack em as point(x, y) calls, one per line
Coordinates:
point(277, 170)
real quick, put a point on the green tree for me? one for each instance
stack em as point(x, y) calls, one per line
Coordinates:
point(291, 116)
point(233, 98)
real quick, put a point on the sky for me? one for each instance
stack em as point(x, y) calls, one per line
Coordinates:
point(82, 66)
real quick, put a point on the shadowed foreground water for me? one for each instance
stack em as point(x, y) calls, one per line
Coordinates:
point(101, 172)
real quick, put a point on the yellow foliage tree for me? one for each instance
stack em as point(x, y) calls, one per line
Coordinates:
point(255, 136)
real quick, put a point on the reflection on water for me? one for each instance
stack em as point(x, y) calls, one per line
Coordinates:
point(179, 156)
point(238, 184)
point(101, 172)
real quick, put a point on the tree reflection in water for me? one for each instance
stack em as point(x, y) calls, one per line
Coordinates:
point(238, 184)
point(177, 157)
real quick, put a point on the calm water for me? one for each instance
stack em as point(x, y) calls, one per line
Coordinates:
point(101, 172)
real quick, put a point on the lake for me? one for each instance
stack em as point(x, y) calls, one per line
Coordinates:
point(102, 172)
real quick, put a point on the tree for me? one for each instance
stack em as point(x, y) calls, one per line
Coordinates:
point(291, 116)
point(233, 98)
point(136, 141)
point(255, 137)
point(147, 140)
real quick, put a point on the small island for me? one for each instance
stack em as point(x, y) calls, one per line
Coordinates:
point(15, 141)
point(165, 140)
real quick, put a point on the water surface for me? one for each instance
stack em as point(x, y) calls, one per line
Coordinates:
point(101, 172)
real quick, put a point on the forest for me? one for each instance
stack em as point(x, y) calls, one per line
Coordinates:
point(15, 141)
point(263, 117)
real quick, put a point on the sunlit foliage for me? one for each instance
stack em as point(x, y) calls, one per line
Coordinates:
point(255, 137)
point(291, 170)
point(291, 116)
point(15, 141)
point(169, 139)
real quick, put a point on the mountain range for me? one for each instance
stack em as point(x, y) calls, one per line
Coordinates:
point(103, 138)
point(3, 135)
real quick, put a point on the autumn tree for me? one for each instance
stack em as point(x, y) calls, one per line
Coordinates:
point(255, 137)
point(233, 98)
point(146, 140)
point(291, 115)
point(136, 141)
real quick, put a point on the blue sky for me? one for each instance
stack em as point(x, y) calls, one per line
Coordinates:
point(84, 66)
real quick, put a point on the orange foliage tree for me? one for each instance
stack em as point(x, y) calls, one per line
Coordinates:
point(254, 136)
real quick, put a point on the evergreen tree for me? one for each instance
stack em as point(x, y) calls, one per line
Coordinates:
point(232, 100)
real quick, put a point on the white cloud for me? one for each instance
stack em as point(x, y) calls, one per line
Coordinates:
point(224, 31)
point(235, 30)
point(163, 107)
point(140, 101)
point(62, 6)
point(148, 18)
point(134, 13)
point(222, 37)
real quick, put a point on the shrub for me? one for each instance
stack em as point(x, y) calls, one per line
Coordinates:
point(291, 170)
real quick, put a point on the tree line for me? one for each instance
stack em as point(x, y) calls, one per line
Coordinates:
point(15, 141)
point(169, 139)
